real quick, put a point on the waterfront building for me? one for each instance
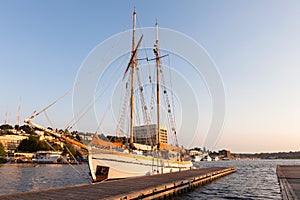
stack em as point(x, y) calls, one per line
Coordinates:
point(225, 154)
point(11, 142)
point(86, 138)
point(147, 134)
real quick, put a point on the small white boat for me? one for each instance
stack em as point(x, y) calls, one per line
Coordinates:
point(47, 157)
point(195, 155)
point(216, 158)
point(206, 158)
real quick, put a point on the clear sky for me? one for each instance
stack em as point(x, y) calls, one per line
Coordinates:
point(254, 44)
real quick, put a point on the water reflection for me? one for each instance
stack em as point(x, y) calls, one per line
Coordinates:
point(16, 178)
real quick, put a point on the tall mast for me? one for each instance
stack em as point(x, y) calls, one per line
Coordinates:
point(156, 51)
point(133, 63)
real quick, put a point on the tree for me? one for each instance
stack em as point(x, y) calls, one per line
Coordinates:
point(27, 129)
point(2, 151)
point(32, 144)
point(17, 127)
point(68, 148)
point(56, 147)
point(6, 126)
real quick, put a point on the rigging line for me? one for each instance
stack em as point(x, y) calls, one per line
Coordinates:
point(123, 93)
point(126, 27)
point(66, 161)
point(35, 114)
point(152, 80)
point(169, 113)
point(172, 116)
point(143, 103)
point(137, 114)
point(50, 122)
point(54, 102)
point(121, 105)
point(106, 86)
point(132, 56)
point(137, 105)
point(90, 103)
point(84, 171)
point(115, 44)
point(143, 46)
point(153, 99)
point(123, 109)
point(172, 93)
point(136, 70)
point(140, 91)
point(102, 119)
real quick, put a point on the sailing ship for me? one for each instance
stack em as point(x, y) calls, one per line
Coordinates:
point(146, 154)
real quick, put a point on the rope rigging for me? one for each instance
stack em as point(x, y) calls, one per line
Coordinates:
point(146, 110)
point(85, 77)
point(99, 93)
point(120, 130)
point(169, 111)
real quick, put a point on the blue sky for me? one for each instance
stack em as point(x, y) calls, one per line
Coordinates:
point(255, 45)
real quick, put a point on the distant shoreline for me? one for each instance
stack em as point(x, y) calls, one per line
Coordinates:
point(268, 156)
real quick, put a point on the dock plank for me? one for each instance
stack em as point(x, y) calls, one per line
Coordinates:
point(132, 188)
point(289, 180)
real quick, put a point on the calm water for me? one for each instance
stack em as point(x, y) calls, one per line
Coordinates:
point(253, 179)
point(16, 178)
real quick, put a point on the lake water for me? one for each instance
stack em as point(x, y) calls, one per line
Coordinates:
point(253, 180)
point(16, 178)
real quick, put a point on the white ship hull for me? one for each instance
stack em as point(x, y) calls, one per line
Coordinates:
point(115, 165)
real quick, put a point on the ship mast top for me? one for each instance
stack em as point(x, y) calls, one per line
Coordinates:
point(133, 63)
point(157, 59)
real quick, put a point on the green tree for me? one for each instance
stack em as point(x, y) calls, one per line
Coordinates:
point(6, 126)
point(17, 127)
point(33, 144)
point(2, 151)
point(56, 147)
point(27, 129)
point(68, 148)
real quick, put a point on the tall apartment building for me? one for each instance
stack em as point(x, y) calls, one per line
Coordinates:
point(147, 134)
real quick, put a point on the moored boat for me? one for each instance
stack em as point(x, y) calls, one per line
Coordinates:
point(47, 157)
point(206, 158)
point(147, 152)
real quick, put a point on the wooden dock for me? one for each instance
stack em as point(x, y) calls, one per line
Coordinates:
point(160, 186)
point(289, 180)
